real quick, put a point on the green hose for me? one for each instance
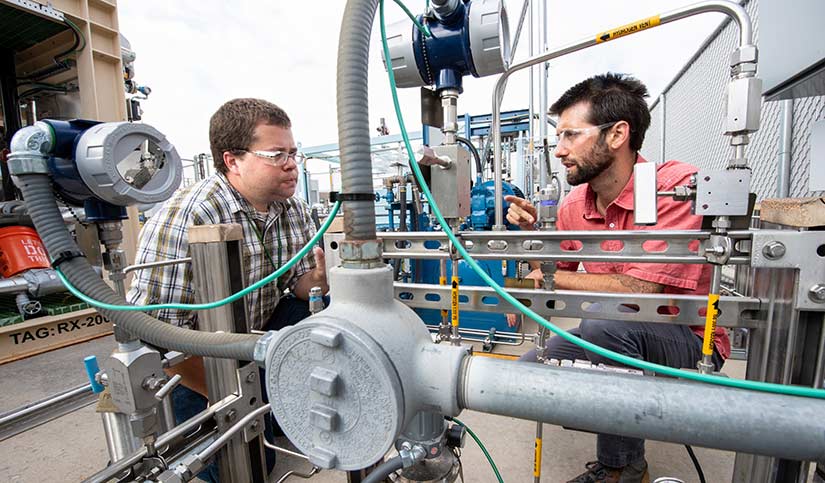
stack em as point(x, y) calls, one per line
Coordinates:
point(211, 305)
point(475, 438)
point(588, 346)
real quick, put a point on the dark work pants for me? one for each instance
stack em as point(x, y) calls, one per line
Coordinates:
point(666, 344)
point(187, 403)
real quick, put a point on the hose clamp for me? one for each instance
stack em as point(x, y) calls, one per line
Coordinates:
point(65, 256)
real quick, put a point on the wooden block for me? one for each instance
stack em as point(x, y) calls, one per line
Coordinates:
point(215, 233)
point(337, 225)
point(795, 212)
point(44, 334)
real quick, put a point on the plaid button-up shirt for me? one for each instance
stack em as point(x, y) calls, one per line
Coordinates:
point(214, 201)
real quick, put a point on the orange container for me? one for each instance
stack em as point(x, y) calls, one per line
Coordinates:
point(21, 250)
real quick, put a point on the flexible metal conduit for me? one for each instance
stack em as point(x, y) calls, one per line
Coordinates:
point(353, 117)
point(40, 201)
point(643, 407)
point(730, 9)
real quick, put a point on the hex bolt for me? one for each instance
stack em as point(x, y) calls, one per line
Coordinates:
point(774, 250)
point(230, 416)
point(251, 377)
point(254, 426)
point(817, 293)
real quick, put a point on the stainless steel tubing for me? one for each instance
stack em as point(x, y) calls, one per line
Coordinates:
point(120, 440)
point(524, 6)
point(164, 439)
point(644, 407)
point(730, 9)
point(161, 263)
point(285, 451)
point(783, 171)
point(231, 432)
point(505, 335)
point(312, 472)
point(13, 285)
point(30, 416)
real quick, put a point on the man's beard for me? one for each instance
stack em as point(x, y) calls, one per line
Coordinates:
point(591, 165)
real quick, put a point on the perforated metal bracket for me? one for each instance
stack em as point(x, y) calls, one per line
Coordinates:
point(249, 400)
point(802, 250)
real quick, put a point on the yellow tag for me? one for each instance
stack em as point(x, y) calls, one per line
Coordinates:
point(628, 29)
point(454, 297)
point(710, 324)
point(537, 459)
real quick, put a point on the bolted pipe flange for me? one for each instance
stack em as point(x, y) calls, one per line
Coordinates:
point(817, 293)
point(774, 250)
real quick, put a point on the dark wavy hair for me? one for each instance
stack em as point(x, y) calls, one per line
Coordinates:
point(612, 97)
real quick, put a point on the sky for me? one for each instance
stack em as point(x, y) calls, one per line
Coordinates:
point(196, 55)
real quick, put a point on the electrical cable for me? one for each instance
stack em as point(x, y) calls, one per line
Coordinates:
point(696, 464)
point(422, 28)
point(385, 469)
point(588, 346)
point(475, 438)
point(211, 305)
point(59, 59)
point(473, 151)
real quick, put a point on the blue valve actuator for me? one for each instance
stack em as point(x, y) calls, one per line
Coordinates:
point(91, 370)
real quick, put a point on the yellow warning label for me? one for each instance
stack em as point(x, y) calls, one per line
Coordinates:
point(537, 459)
point(454, 301)
point(443, 281)
point(628, 29)
point(710, 324)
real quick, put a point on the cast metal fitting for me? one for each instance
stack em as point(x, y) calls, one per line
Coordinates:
point(361, 253)
point(261, 347)
point(411, 454)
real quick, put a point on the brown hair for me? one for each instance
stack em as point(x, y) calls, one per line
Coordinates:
point(232, 127)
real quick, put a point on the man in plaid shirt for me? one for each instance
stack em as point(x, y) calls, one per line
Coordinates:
point(256, 161)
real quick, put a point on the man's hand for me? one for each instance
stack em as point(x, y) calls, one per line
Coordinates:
point(538, 278)
point(319, 275)
point(315, 278)
point(521, 212)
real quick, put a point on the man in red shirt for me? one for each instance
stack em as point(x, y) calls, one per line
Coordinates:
point(601, 127)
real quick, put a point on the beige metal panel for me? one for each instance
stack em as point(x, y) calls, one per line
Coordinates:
point(99, 73)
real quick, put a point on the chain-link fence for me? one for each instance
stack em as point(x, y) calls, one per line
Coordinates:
point(694, 115)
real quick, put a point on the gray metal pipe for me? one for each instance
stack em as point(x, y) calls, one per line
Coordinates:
point(730, 9)
point(643, 407)
point(783, 170)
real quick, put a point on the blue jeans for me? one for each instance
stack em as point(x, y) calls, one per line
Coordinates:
point(665, 344)
point(187, 403)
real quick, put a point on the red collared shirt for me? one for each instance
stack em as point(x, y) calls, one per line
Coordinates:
point(578, 212)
